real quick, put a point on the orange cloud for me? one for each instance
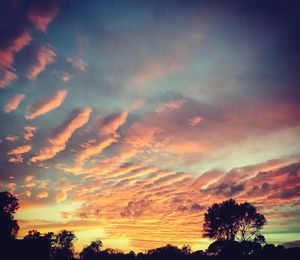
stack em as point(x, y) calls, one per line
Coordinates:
point(16, 154)
point(41, 14)
point(13, 103)
point(20, 150)
point(45, 56)
point(113, 123)
point(58, 141)
point(42, 195)
point(46, 104)
point(77, 64)
point(91, 150)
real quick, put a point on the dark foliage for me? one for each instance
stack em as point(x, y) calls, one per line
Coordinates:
point(8, 225)
point(229, 221)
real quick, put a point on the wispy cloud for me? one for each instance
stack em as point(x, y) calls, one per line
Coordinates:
point(90, 150)
point(13, 103)
point(78, 64)
point(57, 142)
point(46, 104)
point(112, 123)
point(41, 13)
point(6, 78)
point(44, 56)
point(15, 155)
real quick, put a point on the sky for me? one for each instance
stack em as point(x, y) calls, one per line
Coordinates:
point(125, 120)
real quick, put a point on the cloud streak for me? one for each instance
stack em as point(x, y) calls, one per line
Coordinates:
point(57, 142)
point(44, 105)
point(41, 14)
point(44, 57)
point(13, 103)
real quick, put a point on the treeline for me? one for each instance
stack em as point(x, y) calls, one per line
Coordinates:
point(235, 229)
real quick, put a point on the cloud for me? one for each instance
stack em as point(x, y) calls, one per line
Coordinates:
point(20, 150)
point(57, 142)
point(41, 13)
point(77, 64)
point(7, 57)
point(154, 70)
point(193, 121)
point(15, 155)
point(44, 105)
point(171, 105)
point(6, 78)
point(90, 150)
point(29, 132)
point(13, 103)
point(11, 138)
point(44, 56)
point(42, 195)
point(112, 123)
point(20, 42)
point(65, 77)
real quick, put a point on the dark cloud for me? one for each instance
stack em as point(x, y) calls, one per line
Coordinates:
point(196, 207)
point(136, 208)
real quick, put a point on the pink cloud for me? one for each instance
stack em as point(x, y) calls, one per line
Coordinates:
point(59, 139)
point(20, 42)
point(42, 13)
point(13, 103)
point(77, 64)
point(44, 105)
point(7, 57)
point(45, 56)
point(6, 78)
point(193, 121)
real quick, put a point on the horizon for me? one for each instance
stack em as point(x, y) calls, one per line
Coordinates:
point(125, 120)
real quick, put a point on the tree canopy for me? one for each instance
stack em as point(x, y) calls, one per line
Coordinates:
point(229, 221)
point(8, 206)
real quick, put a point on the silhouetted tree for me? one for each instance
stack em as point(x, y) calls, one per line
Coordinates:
point(91, 251)
point(165, 251)
point(64, 242)
point(32, 235)
point(8, 225)
point(229, 221)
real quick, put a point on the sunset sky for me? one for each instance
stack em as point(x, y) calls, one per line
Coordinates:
point(124, 120)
